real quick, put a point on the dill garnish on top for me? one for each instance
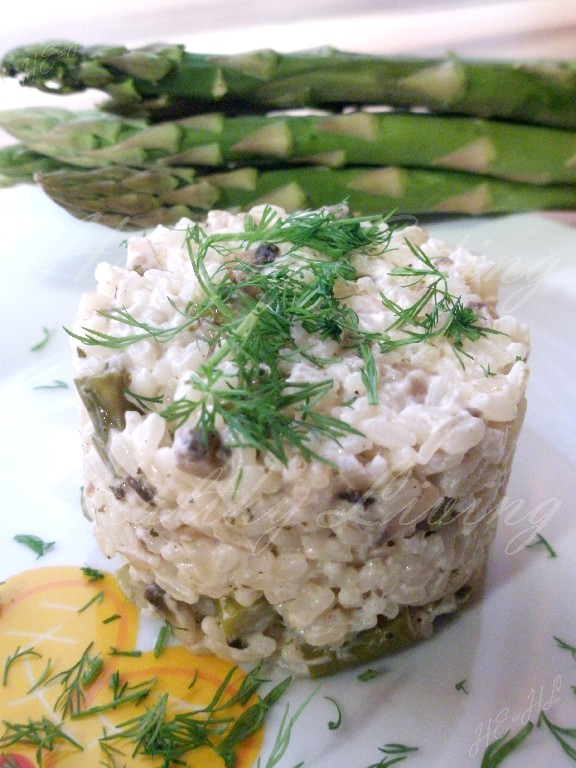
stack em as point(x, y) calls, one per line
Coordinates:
point(281, 286)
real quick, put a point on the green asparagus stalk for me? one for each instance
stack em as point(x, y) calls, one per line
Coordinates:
point(533, 154)
point(103, 397)
point(387, 637)
point(169, 79)
point(237, 620)
point(138, 199)
point(18, 164)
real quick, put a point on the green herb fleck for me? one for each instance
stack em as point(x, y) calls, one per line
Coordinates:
point(34, 543)
point(541, 541)
point(18, 654)
point(335, 724)
point(92, 574)
point(462, 686)
point(370, 674)
point(115, 652)
point(97, 598)
point(57, 384)
point(162, 639)
point(566, 646)
point(499, 750)
point(92, 671)
point(369, 373)
point(46, 335)
point(487, 371)
point(237, 482)
point(110, 619)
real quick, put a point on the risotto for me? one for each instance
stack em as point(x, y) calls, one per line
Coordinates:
point(297, 430)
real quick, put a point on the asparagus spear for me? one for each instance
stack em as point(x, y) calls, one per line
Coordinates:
point(18, 164)
point(138, 199)
point(171, 80)
point(504, 150)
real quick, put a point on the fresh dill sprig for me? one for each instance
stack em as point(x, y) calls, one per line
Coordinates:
point(267, 418)
point(148, 734)
point(75, 679)
point(43, 677)
point(98, 338)
point(248, 723)
point(157, 734)
point(144, 403)
point(18, 654)
point(35, 543)
point(437, 313)
point(121, 695)
point(43, 734)
point(562, 735)
point(324, 231)
point(566, 646)
point(284, 732)
point(369, 373)
point(250, 311)
point(111, 755)
point(393, 753)
point(499, 750)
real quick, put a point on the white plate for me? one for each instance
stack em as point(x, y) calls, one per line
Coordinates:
point(502, 644)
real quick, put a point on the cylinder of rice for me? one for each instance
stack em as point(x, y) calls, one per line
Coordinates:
point(297, 430)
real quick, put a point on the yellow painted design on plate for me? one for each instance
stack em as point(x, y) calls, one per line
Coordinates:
point(58, 613)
